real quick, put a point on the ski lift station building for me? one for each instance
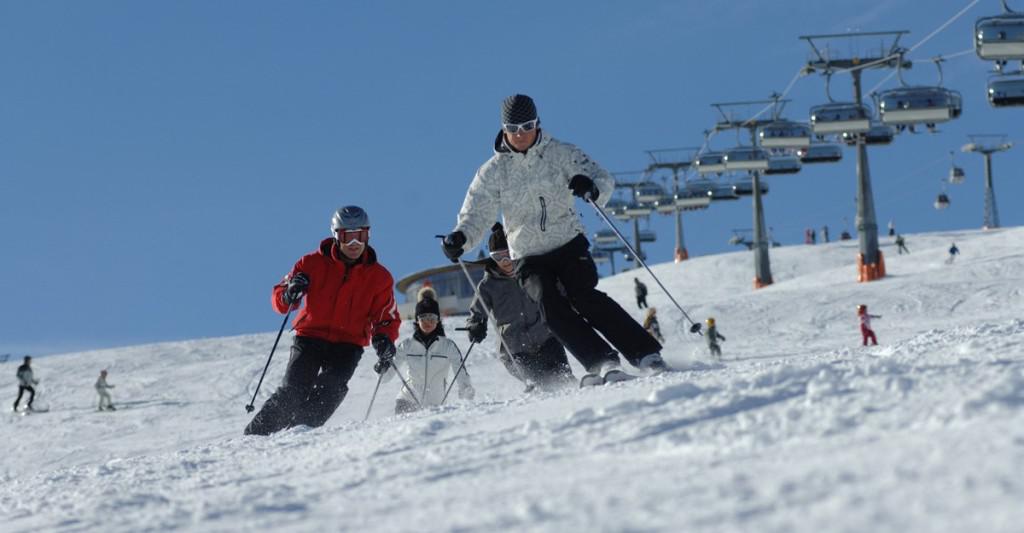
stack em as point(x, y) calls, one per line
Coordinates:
point(454, 292)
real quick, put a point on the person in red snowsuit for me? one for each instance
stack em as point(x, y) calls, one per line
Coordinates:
point(349, 300)
point(865, 325)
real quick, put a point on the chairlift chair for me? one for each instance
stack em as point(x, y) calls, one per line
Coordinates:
point(905, 106)
point(691, 201)
point(745, 187)
point(616, 207)
point(787, 164)
point(820, 153)
point(710, 162)
point(648, 235)
point(839, 117)
point(666, 204)
point(1000, 38)
point(956, 174)
point(1006, 91)
point(879, 134)
point(784, 134)
point(746, 158)
point(606, 236)
point(637, 209)
point(648, 191)
point(601, 256)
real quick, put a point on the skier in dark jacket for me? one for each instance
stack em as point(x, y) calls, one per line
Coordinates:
point(531, 180)
point(712, 337)
point(537, 358)
point(641, 293)
point(26, 382)
point(329, 338)
point(953, 252)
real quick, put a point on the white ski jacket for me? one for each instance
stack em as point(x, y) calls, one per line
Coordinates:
point(531, 191)
point(427, 370)
point(25, 376)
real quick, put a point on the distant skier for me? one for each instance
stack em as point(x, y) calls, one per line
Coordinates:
point(865, 325)
point(892, 228)
point(901, 245)
point(349, 299)
point(824, 233)
point(652, 326)
point(641, 293)
point(712, 337)
point(101, 388)
point(26, 382)
point(426, 360)
point(953, 252)
point(538, 359)
point(531, 180)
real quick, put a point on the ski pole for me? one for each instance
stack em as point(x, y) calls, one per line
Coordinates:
point(694, 326)
point(374, 397)
point(459, 371)
point(249, 408)
point(407, 387)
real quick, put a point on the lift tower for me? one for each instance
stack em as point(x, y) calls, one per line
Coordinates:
point(828, 61)
point(986, 145)
point(754, 165)
point(675, 165)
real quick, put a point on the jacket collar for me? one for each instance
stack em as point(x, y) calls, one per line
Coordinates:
point(502, 147)
point(330, 251)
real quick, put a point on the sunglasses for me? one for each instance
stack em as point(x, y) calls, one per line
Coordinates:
point(348, 236)
point(428, 317)
point(501, 256)
point(529, 125)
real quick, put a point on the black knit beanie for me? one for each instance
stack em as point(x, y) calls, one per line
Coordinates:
point(497, 241)
point(517, 109)
point(427, 305)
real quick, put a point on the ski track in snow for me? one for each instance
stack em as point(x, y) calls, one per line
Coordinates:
point(798, 429)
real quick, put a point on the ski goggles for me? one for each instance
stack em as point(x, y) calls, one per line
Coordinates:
point(529, 125)
point(428, 317)
point(349, 236)
point(501, 256)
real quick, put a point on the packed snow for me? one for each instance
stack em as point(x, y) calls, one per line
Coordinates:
point(798, 428)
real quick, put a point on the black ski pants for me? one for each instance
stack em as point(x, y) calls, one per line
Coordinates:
point(314, 385)
point(574, 316)
point(31, 395)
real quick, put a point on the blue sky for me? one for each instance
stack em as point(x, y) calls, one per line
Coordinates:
point(162, 165)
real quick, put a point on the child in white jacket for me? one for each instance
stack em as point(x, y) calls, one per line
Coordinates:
point(428, 361)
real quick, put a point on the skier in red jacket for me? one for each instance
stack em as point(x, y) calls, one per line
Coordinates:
point(350, 303)
point(865, 325)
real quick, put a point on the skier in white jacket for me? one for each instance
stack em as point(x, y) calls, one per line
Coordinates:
point(101, 388)
point(426, 360)
point(531, 180)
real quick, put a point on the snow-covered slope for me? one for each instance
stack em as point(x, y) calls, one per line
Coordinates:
point(798, 429)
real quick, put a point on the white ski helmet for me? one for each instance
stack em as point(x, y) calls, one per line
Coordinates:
point(348, 218)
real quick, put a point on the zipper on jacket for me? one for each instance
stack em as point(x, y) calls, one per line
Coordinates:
point(543, 214)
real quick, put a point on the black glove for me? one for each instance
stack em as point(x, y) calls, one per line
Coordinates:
point(477, 332)
point(452, 245)
point(297, 286)
point(385, 348)
point(381, 366)
point(582, 186)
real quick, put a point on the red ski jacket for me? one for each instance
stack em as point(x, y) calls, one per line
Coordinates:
point(344, 303)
